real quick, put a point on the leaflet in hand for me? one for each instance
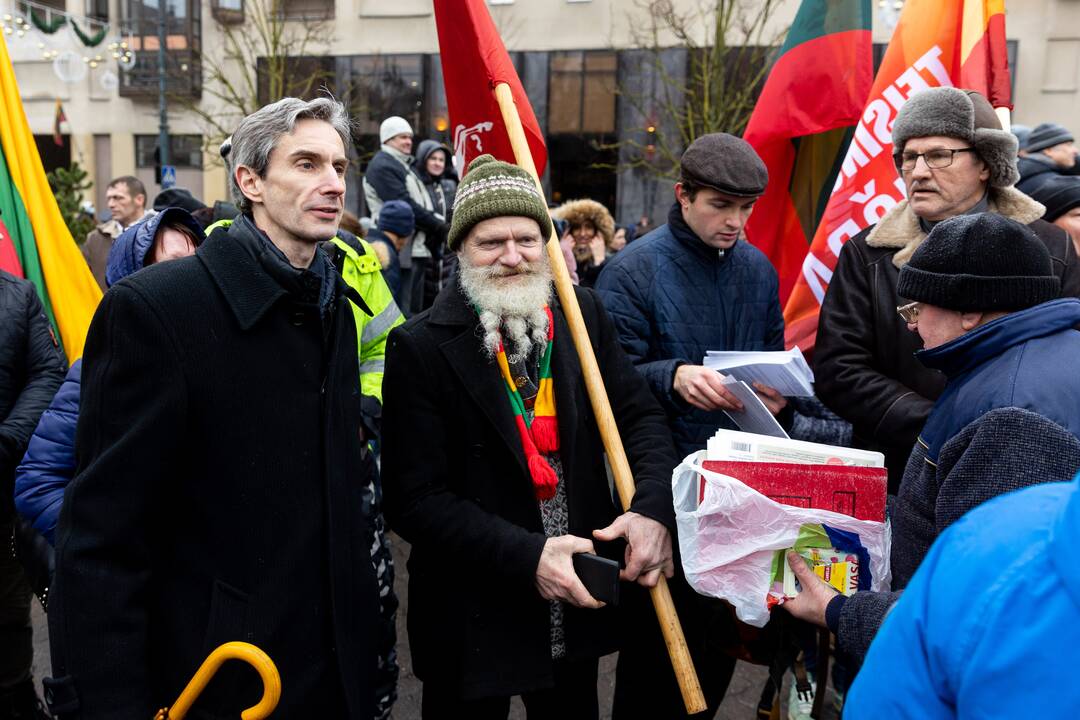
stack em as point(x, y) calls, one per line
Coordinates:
point(784, 371)
point(835, 568)
point(754, 417)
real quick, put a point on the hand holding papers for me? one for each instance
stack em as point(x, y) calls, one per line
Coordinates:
point(785, 371)
point(754, 417)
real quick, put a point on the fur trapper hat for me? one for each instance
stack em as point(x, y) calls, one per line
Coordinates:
point(962, 114)
point(577, 212)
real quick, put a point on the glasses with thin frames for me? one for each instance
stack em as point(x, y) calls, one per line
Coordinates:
point(909, 312)
point(936, 159)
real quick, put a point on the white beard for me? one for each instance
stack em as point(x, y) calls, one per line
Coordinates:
point(516, 307)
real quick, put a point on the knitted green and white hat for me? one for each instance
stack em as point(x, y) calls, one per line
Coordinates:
point(492, 188)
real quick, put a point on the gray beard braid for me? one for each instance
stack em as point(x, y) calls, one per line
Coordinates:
point(518, 310)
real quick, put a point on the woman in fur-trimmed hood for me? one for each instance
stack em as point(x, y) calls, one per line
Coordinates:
point(864, 357)
point(593, 229)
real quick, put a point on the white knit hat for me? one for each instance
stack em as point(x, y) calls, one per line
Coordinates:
point(392, 127)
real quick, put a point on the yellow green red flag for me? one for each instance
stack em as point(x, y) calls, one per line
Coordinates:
point(37, 243)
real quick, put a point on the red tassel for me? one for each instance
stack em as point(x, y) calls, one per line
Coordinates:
point(545, 481)
point(545, 433)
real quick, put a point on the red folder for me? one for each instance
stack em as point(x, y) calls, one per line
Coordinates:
point(856, 491)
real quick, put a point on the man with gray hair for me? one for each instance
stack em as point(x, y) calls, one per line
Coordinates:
point(954, 159)
point(221, 458)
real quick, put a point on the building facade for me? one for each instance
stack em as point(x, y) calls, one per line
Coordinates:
point(585, 65)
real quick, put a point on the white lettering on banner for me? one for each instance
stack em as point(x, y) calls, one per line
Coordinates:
point(817, 274)
point(462, 136)
point(850, 210)
point(847, 230)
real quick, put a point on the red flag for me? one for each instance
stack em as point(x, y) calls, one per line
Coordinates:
point(819, 83)
point(9, 258)
point(474, 61)
point(60, 117)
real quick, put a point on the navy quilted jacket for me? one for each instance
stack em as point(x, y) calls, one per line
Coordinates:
point(49, 463)
point(673, 298)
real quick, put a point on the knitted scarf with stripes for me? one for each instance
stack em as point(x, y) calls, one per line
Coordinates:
point(541, 436)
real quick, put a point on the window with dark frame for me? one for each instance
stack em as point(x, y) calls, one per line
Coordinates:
point(183, 61)
point(378, 86)
point(185, 151)
point(307, 9)
point(98, 10)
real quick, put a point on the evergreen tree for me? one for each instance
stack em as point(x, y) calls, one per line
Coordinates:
point(69, 186)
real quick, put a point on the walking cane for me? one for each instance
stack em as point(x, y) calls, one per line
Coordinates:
point(609, 431)
point(230, 651)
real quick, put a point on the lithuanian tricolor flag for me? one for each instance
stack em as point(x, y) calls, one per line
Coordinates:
point(35, 243)
point(814, 92)
point(936, 43)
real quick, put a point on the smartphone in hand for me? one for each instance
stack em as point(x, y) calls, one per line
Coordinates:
point(599, 575)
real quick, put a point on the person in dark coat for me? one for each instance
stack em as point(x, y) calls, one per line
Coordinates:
point(493, 469)
point(1061, 197)
point(435, 170)
point(31, 370)
point(864, 357)
point(986, 306)
point(392, 175)
point(49, 463)
point(1049, 151)
point(221, 458)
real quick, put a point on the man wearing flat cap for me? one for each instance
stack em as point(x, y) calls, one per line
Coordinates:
point(954, 159)
point(693, 285)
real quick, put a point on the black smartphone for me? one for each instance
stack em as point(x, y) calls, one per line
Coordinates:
point(599, 575)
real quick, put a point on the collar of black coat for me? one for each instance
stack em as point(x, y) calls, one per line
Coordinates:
point(995, 337)
point(899, 229)
point(686, 237)
point(252, 278)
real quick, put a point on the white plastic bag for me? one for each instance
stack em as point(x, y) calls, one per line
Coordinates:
point(728, 541)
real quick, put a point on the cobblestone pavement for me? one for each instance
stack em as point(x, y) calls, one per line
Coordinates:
point(740, 703)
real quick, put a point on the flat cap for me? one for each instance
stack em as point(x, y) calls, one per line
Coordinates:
point(725, 163)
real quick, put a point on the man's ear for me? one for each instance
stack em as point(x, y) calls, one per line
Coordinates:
point(971, 320)
point(680, 193)
point(249, 182)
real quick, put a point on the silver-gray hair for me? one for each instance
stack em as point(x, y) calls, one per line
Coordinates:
point(258, 134)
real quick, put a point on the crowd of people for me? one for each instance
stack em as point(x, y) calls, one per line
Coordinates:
point(271, 384)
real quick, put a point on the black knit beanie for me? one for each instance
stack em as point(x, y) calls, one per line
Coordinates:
point(1059, 193)
point(980, 263)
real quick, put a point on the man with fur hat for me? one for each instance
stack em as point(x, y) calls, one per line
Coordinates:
point(1048, 151)
point(592, 229)
point(493, 470)
point(390, 176)
point(985, 303)
point(954, 159)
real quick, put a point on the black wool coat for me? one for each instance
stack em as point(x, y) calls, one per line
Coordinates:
point(217, 494)
point(32, 368)
point(456, 486)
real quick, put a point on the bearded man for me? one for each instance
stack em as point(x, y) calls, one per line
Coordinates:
point(494, 470)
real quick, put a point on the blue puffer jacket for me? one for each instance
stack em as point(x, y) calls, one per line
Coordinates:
point(49, 462)
point(673, 298)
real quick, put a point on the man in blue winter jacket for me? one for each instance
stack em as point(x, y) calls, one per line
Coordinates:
point(985, 305)
point(692, 285)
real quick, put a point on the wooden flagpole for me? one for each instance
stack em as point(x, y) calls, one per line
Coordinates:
point(609, 431)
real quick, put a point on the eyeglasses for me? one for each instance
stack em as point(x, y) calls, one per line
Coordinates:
point(936, 159)
point(909, 312)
